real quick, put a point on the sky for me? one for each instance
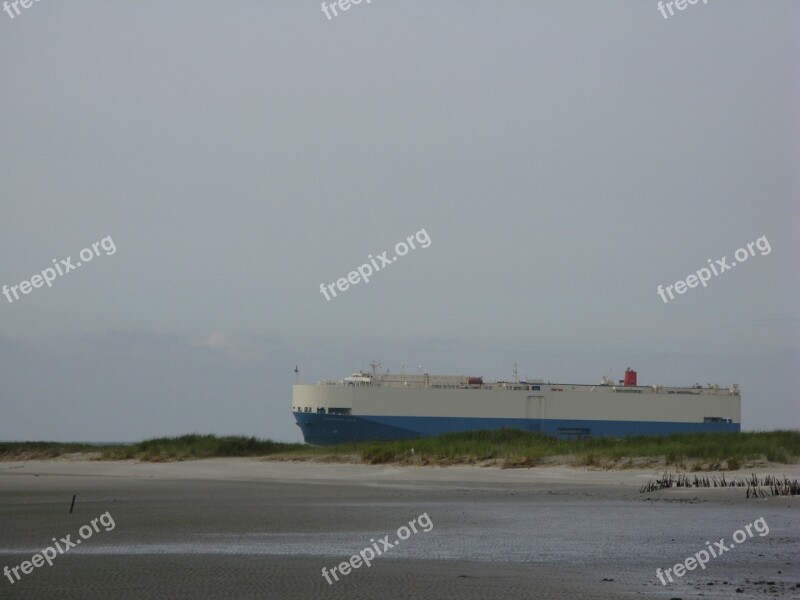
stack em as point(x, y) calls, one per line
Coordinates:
point(564, 159)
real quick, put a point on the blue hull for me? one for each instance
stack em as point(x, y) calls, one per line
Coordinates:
point(327, 429)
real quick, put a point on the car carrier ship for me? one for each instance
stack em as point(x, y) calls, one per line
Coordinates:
point(384, 406)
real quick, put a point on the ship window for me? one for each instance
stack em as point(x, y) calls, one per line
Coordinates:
point(716, 420)
point(535, 387)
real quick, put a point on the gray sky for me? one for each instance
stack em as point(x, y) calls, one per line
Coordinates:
point(565, 158)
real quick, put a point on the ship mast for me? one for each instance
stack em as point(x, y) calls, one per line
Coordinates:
point(374, 365)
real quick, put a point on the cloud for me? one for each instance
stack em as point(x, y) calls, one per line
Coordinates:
point(231, 346)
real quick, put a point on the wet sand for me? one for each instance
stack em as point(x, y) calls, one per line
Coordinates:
point(249, 528)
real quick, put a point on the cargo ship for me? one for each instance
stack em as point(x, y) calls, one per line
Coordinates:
point(384, 406)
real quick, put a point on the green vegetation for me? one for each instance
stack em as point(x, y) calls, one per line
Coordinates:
point(38, 450)
point(198, 446)
point(156, 449)
point(518, 448)
point(505, 447)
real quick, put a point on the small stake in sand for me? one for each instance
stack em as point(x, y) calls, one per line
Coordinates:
point(73, 504)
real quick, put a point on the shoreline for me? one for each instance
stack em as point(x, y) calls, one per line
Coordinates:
point(657, 465)
point(259, 468)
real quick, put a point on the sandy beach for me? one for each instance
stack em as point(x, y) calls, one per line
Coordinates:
point(251, 528)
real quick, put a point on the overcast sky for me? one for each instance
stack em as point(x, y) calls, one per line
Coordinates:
point(565, 159)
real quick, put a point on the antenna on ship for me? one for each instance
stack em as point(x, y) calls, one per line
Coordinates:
point(374, 365)
point(515, 373)
point(296, 374)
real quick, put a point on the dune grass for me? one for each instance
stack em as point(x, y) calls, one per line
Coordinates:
point(519, 448)
point(40, 450)
point(165, 448)
point(198, 446)
point(506, 447)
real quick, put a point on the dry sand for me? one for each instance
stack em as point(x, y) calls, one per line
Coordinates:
point(249, 528)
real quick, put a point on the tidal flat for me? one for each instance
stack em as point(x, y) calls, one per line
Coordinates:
point(255, 528)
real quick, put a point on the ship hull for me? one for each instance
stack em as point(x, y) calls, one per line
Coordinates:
point(325, 430)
